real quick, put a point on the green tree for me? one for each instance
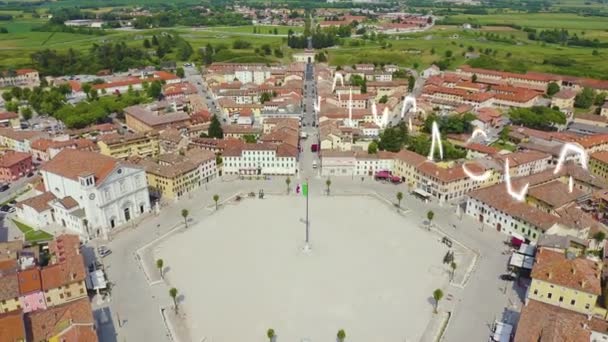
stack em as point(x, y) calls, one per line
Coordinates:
point(453, 266)
point(372, 148)
point(430, 215)
point(599, 237)
point(288, 183)
point(411, 82)
point(265, 97)
point(216, 198)
point(399, 198)
point(147, 44)
point(584, 99)
point(250, 138)
point(26, 113)
point(448, 53)
point(383, 99)
point(155, 90)
point(154, 40)
point(17, 93)
point(341, 335)
point(437, 296)
point(537, 117)
point(270, 334)
point(12, 106)
point(180, 72)
point(185, 214)
point(328, 184)
point(552, 88)
point(393, 138)
point(173, 294)
point(504, 134)
point(215, 128)
point(160, 264)
point(7, 96)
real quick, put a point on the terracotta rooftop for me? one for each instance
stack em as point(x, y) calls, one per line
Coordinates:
point(593, 140)
point(39, 203)
point(42, 325)
point(11, 327)
point(601, 156)
point(9, 286)
point(65, 246)
point(71, 164)
point(12, 158)
point(497, 197)
point(519, 158)
point(578, 273)
point(410, 158)
point(29, 281)
point(555, 193)
point(482, 148)
point(540, 322)
point(8, 115)
point(68, 202)
point(565, 94)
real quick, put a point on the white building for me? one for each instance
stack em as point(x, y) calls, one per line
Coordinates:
point(89, 193)
point(351, 163)
point(261, 159)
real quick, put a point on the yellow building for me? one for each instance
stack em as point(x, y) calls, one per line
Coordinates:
point(598, 164)
point(172, 176)
point(406, 163)
point(123, 146)
point(567, 282)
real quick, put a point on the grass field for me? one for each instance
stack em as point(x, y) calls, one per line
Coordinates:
point(405, 50)
point(263, 29)
point(32, 235)
point(537, 20)
point(417, 48)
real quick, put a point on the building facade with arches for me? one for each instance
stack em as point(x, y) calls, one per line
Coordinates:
point(95, 193)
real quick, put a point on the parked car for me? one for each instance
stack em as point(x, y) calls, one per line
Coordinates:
point(31, 174)
point(447, 241)
point(507, 277)
point(103, 251)
point(5, 208)
point(4, 187)
point(11, 209)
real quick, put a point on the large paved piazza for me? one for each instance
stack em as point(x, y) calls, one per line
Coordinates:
point(241, 271)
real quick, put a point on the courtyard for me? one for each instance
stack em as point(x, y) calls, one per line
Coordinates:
point(241, 270)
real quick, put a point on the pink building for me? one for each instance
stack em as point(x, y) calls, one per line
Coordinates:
point(14, 165)
point(30, 288)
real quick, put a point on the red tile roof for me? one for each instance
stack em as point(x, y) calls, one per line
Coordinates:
point(29, 281)
point(8, 115)
point(578, 273)
point(11, 327)
point(12, 158)
point(44, 324)
point(540, 322)
point(71, 164)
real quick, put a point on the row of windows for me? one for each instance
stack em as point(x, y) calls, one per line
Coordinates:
point(561, 299)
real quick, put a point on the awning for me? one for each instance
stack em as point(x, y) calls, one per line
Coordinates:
point(521, 261)
point(527, 249)
point(96, 280)
point(422, 193)
point(502, 332)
